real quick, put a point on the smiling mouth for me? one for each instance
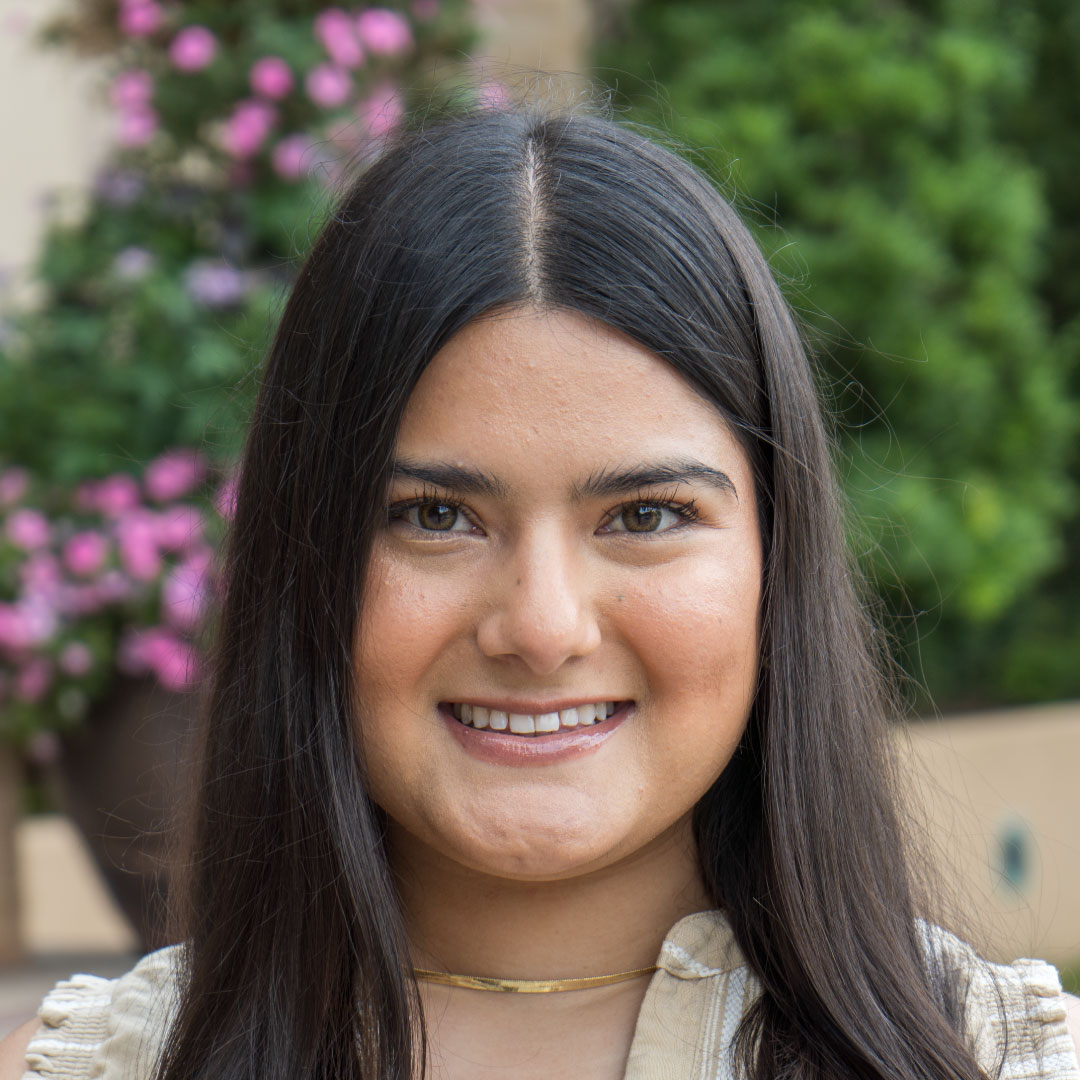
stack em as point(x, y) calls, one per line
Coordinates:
point(534, 724)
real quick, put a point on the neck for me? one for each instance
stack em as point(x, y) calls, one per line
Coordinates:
point(613, 919)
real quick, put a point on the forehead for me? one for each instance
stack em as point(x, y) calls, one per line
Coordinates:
point(550, 392)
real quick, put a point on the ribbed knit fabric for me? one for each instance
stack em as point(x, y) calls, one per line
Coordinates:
point(102, 1029)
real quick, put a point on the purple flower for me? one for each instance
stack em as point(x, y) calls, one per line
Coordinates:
point(271, 77)
point(133, 264)
point(328, 85)
point(186, 590)
point(173, 474)
point(85, 553)
point(13, 485)
point(247, 128)
point(76, 659)
point(15, 635)
point(28, 529)
point(119, 187)
point(425, 10)
point(335, 32)
point(214, 284)
point(139, 18)
point(193, 49)
point(132, 88)
point(384, 31)
point(136, 126)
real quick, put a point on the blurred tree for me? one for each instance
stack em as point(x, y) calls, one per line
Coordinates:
point(885, 155)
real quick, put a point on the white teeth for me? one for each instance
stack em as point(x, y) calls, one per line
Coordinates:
point(548, 721)
point(540, 724)
point(521, 725)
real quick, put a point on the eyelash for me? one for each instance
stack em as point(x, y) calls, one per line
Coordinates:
point(687, 510)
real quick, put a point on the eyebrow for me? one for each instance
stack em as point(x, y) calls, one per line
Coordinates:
point(606, 482)
point(621, 481)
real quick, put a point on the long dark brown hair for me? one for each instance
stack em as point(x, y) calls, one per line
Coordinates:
point(295, 962)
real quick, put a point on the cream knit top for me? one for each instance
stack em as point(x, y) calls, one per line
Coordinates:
point(111, 1029)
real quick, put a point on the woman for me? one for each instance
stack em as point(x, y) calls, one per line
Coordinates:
point(541, 669)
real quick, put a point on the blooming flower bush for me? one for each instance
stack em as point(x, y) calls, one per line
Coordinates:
point(158, 292)
point(116, 575)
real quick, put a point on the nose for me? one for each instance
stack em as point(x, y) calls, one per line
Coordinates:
point(541, 613)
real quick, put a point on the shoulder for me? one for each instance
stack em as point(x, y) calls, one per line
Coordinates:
point(89, 1026)
point(1017, 1014)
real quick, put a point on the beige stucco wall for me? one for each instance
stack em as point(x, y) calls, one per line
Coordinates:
point(981, 777)
point(53, 128)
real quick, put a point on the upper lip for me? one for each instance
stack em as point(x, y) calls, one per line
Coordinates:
point(532, 706)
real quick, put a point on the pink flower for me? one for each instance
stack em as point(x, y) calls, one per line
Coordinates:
point(136, 536)
point(85, 553)
point(246, 130)
point(173, 474)
point(15, 634)
point(271, 77)
point(28, 529)
point(382, 110)
point(186, 590)
point(33, 680)
point(225, 499)
point(76, 659)
point(425, 10)
point(335, 32)
point(140, 18)
point(289, 158)
point(44, 748)
point(159, 650)
point(112, 496)
point(40, 576)
point(13, 485)
point(179, 527)
point(328, 86)
point(136, 126)
point(493, 95)
point(384, 31)
point(132, 88)
point(193, 48)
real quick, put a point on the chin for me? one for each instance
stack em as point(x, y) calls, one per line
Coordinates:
point(540, 853)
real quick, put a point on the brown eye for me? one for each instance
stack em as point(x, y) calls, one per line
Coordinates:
point(436, 516)
point(641, 517)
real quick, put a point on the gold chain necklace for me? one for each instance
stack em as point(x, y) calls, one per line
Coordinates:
point(528, 986)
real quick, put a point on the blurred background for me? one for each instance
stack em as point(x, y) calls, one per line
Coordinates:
point(907, 167)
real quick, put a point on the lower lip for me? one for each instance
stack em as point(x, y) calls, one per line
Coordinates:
point(499, 748)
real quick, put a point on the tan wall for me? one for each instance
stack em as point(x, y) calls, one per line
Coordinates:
point(53, 128)
point(982, 777)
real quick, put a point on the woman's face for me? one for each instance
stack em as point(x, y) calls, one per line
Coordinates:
point(570, 525)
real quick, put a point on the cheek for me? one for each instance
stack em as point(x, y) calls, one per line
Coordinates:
point(697, 632)
point(409, 618)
